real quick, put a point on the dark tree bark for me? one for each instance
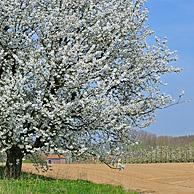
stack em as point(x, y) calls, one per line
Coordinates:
point(14, 163)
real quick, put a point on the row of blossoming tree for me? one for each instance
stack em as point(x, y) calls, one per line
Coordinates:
point(160, 154)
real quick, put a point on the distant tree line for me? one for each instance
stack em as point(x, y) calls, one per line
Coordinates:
point(149, 139)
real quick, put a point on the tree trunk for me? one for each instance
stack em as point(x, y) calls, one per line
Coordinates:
point(13, 163)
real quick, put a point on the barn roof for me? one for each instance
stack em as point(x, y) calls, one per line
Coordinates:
point(55, 156)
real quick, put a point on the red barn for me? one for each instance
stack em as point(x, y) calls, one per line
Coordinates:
point(56, 159)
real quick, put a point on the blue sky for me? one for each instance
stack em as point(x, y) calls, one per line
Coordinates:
point(174, 19)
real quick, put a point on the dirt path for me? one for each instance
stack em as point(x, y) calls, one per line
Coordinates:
point(146, 178)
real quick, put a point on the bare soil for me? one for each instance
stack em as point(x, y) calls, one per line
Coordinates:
point(168, 178)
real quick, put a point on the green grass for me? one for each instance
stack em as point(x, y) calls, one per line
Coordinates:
point(38, 186)
point(34, 184)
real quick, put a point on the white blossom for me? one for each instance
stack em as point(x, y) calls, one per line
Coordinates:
point(78, 75)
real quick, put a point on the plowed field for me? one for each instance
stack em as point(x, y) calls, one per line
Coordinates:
point(146, 178)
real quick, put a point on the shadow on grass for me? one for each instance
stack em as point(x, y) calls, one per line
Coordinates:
point(25, 175)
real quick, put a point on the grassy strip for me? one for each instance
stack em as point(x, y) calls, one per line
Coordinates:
point(39, 186)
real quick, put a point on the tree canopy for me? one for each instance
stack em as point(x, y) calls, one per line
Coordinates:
point(77, 75)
